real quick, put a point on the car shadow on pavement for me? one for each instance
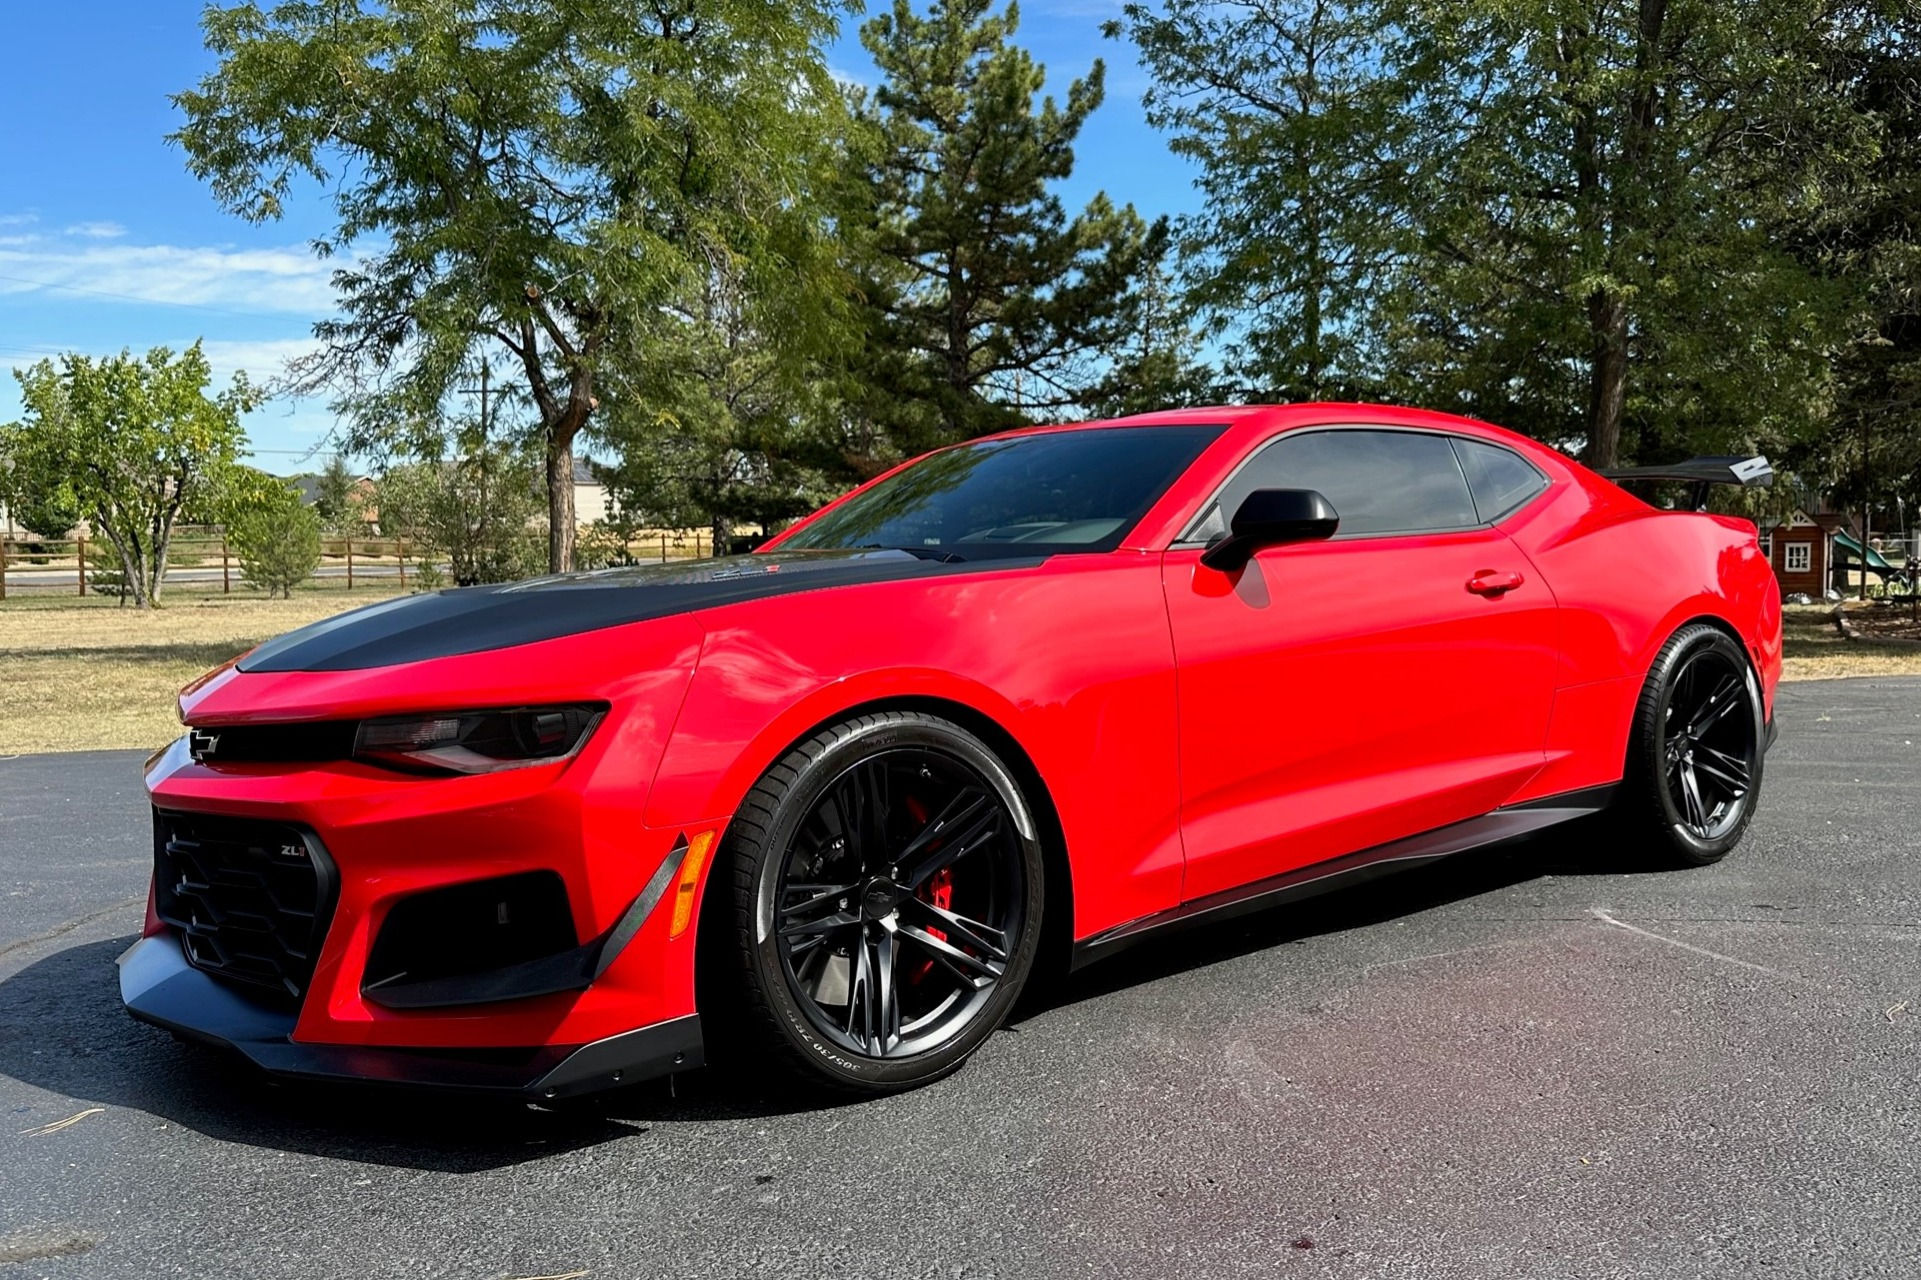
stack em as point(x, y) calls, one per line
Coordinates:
point(1581, 848)
point(62, 1029)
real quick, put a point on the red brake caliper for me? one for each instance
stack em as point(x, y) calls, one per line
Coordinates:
point(939, 890)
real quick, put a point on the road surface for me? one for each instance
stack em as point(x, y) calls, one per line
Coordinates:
point(1539, 1061)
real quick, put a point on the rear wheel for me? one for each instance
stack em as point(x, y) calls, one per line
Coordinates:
point(1694, 766)
point(887, 895)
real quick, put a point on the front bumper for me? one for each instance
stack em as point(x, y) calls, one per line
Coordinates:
point(160, 987)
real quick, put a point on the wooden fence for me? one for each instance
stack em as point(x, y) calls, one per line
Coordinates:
point(201, 561)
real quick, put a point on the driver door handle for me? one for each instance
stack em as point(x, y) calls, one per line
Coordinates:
point(1494, 582)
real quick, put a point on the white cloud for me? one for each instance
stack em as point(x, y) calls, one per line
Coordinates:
point(97, 230)
point(283, 280)
point(262, 360)
point(18, 219)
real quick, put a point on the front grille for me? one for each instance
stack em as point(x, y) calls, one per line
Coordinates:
point(251, 899)
point(311, 742)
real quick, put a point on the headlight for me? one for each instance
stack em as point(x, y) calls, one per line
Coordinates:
point(476, 741)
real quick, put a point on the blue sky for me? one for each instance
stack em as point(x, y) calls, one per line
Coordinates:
point(107, 242)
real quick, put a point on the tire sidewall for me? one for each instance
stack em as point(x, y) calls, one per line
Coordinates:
point(815, 775)
point(1684, 647)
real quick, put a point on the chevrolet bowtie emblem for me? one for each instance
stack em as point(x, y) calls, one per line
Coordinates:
point(201, 744)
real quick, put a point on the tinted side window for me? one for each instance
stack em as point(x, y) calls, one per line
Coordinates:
point(1502, 481)
point(1379, 481)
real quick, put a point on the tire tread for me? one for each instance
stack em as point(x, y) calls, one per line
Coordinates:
point(754, 1033)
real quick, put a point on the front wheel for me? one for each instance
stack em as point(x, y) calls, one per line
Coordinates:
point(1695, 754)
point(887, 897)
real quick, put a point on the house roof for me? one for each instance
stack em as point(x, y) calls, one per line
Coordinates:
point(309, 486)
point(1832, 521)
point(1829, 522)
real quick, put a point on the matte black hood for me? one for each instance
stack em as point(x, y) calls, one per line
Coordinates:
point(472, 619)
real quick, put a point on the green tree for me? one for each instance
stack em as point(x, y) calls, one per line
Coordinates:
point(134, 441)
point(983, 302)
point(1155, 363)
point(473, 511)
point(533, 176)
point(1289, 110)
point(50, 511)
point(1597, 182)
point(1868, 236)
point(730, 417)
point(336, 498)
point(276, 538)
point(1554, 213)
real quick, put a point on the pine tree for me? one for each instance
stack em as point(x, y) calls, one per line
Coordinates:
point(276, 538)
point(1287, 110)
point(1156, 363)
point(334, 496)
point(985, 304)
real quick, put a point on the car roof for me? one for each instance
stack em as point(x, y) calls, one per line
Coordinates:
point(1245, 425)
point(1282, 416)
point(1243, 420)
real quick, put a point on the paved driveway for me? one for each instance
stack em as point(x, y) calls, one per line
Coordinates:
point(1537, 1061)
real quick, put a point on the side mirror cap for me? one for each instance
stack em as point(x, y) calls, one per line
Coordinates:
point(1271, 518)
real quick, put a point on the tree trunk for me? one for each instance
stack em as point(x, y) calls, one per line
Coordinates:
point(560, 505)
point(162, 542)
point(132, 573)
point(1607, 377)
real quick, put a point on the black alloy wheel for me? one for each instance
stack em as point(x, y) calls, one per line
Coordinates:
point(1696, 755)
point(888, 896)
point(1709, 747)
point(896, 901)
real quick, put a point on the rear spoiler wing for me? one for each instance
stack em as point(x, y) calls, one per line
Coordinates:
point(1700, 473)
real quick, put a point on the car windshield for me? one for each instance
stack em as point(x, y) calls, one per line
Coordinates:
point(1056, 491)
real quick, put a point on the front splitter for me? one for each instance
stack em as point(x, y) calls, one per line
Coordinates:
point(160, 987)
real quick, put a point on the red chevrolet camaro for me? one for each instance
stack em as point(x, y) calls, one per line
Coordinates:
point(824, 805)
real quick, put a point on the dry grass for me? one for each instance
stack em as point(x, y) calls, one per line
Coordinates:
point(80, 676)
point(1816, 650)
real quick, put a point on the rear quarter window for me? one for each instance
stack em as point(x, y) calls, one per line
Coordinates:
point(1501, 480)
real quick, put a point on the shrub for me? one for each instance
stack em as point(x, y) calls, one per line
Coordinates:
point(471, 515)
point(105, 576)
point(277, 541)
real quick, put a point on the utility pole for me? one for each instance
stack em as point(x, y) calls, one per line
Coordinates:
point(1867, 505)
point(486, 393)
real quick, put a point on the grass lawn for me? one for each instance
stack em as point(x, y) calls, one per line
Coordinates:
point(81, 674)
point(1816, 649)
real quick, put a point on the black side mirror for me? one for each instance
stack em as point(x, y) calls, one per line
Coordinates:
point(1269, 518)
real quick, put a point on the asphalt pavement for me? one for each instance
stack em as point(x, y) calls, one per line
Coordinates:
point(1538, 1061)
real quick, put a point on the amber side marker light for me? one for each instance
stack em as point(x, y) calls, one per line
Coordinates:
point(690, 867)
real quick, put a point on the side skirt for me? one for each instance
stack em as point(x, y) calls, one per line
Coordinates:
point(1351, 869)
